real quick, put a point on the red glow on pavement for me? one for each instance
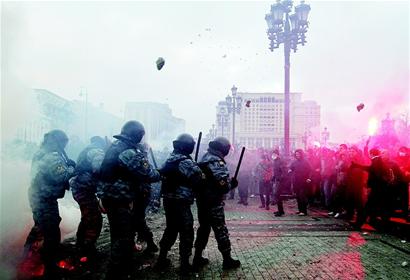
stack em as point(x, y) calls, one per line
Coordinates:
point(65, 265)
point(355, 239)
point(340, 265)
point(84, 259)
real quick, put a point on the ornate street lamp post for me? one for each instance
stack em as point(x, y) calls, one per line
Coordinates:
point(212, 132)
point(222, 118)
point(233, 104)
point(290, 30)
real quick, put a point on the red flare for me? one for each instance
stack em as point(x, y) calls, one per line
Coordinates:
point(84, 259)
point(65, 265)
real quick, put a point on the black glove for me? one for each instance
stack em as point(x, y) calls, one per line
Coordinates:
point(234, 183)
point(71, 162)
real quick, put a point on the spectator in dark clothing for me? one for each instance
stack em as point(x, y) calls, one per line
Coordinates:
point(279, 173)
point(301, 172)
point(356, 181)
point(265, 173)
point(327, 172)
point(378, 180)
point(340, 188)
point(403, 161)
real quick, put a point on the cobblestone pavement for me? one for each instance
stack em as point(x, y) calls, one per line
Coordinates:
point(289, 247)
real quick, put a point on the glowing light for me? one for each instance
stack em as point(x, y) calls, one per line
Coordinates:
point(372, 128)
point(65, 265)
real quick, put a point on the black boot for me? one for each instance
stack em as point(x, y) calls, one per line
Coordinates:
point(186, 267)
point(229, 262)
point(163, 262)
point(199, 261)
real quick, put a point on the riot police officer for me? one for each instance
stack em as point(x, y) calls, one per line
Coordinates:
point(141, 201)
point(124, 168)
point(210, 204)
point(181, 176)
point(51, 171)
point(84, 188)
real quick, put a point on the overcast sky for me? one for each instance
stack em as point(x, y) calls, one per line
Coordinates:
point(356, 52)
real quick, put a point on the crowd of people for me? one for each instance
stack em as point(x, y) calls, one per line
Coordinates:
point(351, 183)
point(116, 179)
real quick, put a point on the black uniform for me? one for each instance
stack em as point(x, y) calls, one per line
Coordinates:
point(301, 172)
point(51, 170)
point(210, 202)
point(181, 176)
point(141, 200)
point(124, 168)
point(84, 188)
point(279, 174)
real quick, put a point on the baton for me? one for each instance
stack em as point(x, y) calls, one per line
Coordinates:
point(197, 146)
point(239, 163)
point(153, 158)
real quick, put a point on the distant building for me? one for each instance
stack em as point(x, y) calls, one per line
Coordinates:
point(93, 120)
point(50, 111)
point(261, 124)
point(160, 124)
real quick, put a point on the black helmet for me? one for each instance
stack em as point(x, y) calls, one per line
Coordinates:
point(98, 141)
point(184, 144)
point(133, 131)
point(56, 137)
point(220, 144)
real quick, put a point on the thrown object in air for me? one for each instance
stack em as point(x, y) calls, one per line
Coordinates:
point(248, 103)
point(160, 63)
point(360, 107)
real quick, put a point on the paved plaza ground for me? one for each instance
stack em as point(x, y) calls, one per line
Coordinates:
point(290, 247)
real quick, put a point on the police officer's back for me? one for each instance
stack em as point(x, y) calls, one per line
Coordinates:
point(181, 178)
point(210, 203)
point(84, 187)
point(51, 170)
point(124, 168)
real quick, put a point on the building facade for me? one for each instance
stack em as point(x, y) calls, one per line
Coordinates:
point(79, 120)
point(260, 122)
point(159, 122)
point(48, 111)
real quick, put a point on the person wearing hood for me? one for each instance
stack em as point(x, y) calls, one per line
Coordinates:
point(181, 178)
point(51, 171)
point(84, 188)
point(210, 204)
point(124, 168)
point(301, 173)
